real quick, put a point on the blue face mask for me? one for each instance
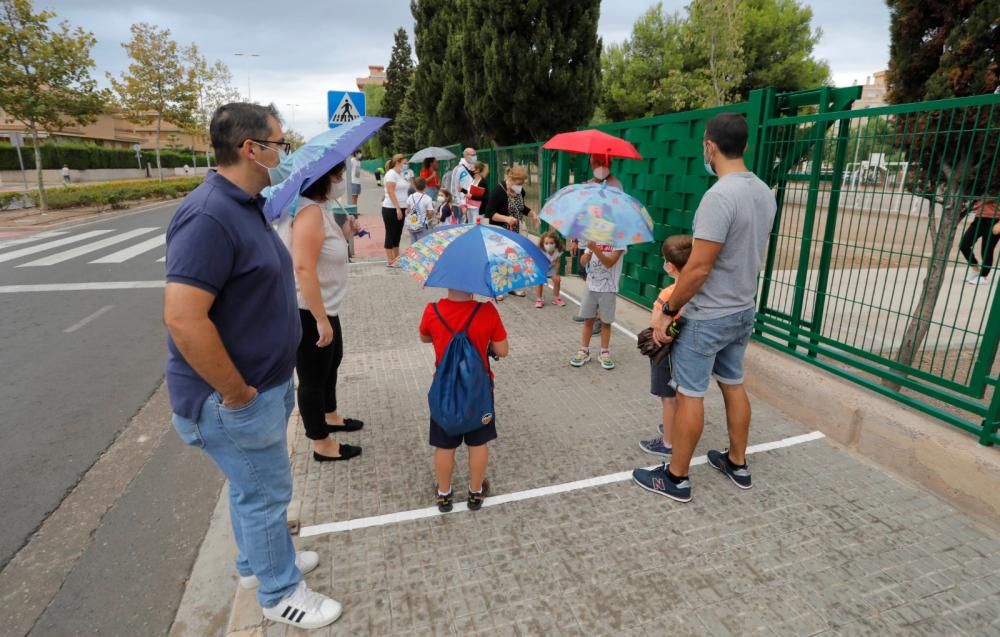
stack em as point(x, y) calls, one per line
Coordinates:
point(708, 167)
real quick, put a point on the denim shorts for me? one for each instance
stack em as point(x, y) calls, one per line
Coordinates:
point(711, 348)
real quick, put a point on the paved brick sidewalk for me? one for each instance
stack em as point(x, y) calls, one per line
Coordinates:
point(824, 544)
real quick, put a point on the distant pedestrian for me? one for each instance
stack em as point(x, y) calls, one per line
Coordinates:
point(65, 174)
point(447, 211)
point(506, 206)
point(318, 246)
point(420, 211)
point(553, 247)
point(486, 332)
point(233, 330)
point(600, 300)
point(716, 290)
point(354, 170)
point(378, 175)
point(394, 207)
point(983, 228)
point(479, 189)
point(430, 174)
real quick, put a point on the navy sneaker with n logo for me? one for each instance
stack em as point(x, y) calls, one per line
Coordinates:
point(657, 481)
point(739, 474)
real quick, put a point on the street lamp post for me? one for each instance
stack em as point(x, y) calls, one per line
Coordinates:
point(293, 112)
point(251, 55)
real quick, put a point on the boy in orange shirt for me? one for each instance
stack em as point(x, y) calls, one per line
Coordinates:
point(676, 251)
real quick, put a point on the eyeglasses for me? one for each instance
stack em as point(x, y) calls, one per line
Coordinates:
point(281, 144)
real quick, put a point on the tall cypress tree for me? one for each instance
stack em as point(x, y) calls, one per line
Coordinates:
point(397, 80)
point(532, 67)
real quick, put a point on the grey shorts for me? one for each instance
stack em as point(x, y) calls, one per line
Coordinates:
point(355, 189)
point(599, 305)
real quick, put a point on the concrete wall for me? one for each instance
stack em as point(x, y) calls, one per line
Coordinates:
point(54, 177)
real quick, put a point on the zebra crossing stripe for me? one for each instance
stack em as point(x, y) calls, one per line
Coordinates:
point(23, 252)
point(72, 253)
point(137, 249)
point(9, 243)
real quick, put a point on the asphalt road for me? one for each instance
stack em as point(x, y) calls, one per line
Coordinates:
point(77, 367)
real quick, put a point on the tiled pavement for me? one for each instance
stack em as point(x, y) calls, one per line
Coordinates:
point(824, 544)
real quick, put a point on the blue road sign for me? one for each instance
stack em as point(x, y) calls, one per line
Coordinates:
point(343, 107)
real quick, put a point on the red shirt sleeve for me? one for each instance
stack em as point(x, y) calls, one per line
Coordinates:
point(425, 321)
point(497, 331)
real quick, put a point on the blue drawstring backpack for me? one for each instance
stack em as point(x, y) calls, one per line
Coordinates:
point(461, 396)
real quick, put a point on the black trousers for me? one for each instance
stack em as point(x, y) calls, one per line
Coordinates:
point(317, 368)
point(393, 228)
point(981, 228)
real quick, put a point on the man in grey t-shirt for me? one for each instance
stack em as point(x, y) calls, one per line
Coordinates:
point(716, 289)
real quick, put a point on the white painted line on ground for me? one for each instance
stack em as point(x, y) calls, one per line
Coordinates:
point(621, 476)
point(75, 326)
point(137, 249)
point(66, 255)
point(81, 287)
point(162, 259)
point(367, 262)
point(7, 243)
point(23, 252)
point(619, 326)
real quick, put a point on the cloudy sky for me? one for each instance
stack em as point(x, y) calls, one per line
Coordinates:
point(308, 47)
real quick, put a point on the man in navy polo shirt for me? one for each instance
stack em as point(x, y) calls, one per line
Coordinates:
point(233, 330)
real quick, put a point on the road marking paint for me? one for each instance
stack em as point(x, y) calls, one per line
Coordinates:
point(81, 287)
point(162, 259)
point(137, 249)
point(369, 262)
point(621, 476)
point(7, 243)
point(624, 330)
point(23, 252)
point(66, 255)
point(75, 326)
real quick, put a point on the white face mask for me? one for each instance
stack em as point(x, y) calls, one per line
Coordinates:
point(440, 198)
point(550, 247)
point(601, 172)
point(517, 188)
point(471, 159)
point(338, 189)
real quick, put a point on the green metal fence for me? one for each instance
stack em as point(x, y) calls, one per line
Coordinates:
point(862, 277)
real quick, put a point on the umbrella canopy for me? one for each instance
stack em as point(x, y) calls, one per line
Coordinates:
point(593, 142)
point(484, 260)
point(314, 159)
point(598, 212)
point(431, 151)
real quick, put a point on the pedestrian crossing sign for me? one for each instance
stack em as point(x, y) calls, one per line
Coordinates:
point(344, 107)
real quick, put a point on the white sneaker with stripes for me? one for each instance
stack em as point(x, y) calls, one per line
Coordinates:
point(304, 608)
point(306, 561)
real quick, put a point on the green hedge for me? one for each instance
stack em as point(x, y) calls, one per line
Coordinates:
point(87, 156)
point(115, 194)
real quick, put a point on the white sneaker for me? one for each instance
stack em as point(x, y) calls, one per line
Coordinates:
point(972, 278)
point(306, 561)
point(304, 608)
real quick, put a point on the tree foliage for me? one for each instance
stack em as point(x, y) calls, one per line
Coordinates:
point(714, 54)
point(158, 85)
point(532, 67)
point(45, 78)
point(398, 77)
point(942, 49)
point(213, 87)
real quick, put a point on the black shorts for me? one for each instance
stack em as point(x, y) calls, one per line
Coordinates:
point(475, 438)
point(660, 379)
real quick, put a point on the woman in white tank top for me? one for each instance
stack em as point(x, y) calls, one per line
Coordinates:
point(319, 254)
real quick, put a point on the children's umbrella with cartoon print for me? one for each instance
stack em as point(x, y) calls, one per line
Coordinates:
point(598, 212)
point(481, 259)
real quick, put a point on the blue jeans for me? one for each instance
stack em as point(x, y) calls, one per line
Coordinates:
point(249, 445)
point(710, 347)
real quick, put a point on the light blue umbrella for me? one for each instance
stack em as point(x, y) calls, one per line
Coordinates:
point(436, 152)
point(314, 159)
point(600, 213)
point(481, 259)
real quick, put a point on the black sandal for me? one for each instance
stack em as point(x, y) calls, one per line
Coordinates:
point(350, 424)
point(346, 453)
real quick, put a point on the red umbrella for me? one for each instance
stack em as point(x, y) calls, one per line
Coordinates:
point(593, 142)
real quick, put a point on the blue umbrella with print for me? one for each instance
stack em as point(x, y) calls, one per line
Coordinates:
point(314, 159)
point(598, 212)
point(481, 259)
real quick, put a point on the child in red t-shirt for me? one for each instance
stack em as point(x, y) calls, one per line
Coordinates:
point(486, 332)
